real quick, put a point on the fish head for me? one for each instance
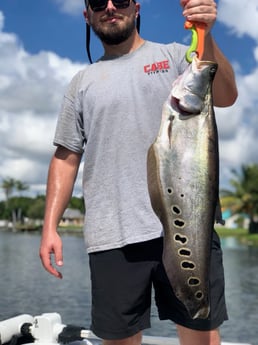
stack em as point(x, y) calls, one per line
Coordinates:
point(190, 89)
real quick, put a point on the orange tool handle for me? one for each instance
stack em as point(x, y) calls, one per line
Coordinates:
point(200, 30)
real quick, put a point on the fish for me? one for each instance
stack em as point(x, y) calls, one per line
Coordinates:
point(183, 184)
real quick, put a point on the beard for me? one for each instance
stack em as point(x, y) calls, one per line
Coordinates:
point(115, 33)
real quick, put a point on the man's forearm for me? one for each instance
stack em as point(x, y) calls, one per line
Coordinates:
point(61, 178)
point(224, 86)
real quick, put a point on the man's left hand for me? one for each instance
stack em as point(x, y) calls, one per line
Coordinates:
point(204, 11)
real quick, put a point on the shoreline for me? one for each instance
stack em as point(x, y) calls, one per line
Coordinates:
point(241, 235)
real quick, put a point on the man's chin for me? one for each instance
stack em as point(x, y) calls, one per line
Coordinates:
point(113, 36)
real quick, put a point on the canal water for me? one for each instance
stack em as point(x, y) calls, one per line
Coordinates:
point(26, 288)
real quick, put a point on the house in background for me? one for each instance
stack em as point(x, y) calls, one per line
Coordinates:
point(72, 217)
point(233, 221)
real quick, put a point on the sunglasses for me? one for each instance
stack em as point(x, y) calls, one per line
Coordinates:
point(100, 5)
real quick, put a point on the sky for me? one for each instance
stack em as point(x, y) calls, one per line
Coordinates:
point(42, 45)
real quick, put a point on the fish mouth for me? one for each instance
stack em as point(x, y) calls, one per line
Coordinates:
point(177, 105)
point(190, 89)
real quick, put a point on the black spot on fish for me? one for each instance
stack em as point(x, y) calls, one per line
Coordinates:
point(181, 239)
point(170, 191)
point(176, 210)
point(184, 252)
point(179, 223)
point(199, 295)
point(188, 265)
point(194, 281)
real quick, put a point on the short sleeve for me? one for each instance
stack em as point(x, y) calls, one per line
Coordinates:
point(69, 130)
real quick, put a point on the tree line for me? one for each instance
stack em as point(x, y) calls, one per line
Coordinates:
point(16, 208)
point(241, 198)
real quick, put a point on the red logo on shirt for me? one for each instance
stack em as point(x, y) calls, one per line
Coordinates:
point(157, 67)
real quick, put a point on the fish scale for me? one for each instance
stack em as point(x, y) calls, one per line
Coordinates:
point(183, 177)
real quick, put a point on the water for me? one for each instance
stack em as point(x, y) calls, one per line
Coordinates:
point(26, 288)
point(241, 271)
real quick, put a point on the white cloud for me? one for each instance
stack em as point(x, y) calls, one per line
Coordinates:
point(31, 91)
point(238, 126)
point(73, 7)
point(240, 16)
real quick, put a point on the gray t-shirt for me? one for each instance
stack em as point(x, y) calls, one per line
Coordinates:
point(112, 112)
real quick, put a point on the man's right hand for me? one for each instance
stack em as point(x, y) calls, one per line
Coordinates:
point(51, 244)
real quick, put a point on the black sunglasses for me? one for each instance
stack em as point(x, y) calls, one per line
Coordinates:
point(100, 5)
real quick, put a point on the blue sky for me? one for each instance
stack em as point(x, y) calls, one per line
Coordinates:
point(42, 46)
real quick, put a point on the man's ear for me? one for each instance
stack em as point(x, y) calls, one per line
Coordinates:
point(86, 16)
point(137, 9)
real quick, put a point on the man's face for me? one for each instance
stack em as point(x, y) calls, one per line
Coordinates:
point(113, 26)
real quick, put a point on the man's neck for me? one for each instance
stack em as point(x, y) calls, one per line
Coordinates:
point(126, 47)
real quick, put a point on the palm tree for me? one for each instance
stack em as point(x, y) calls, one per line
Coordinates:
point(21, 186)
point(244, 196)
point(8, 185)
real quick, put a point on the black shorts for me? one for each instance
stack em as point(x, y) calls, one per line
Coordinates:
point(122, 281)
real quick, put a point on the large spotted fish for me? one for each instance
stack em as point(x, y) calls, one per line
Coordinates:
point(183, 177)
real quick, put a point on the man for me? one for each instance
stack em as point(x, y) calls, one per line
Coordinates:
point(111, 113)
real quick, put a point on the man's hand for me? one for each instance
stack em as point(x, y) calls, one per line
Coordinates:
point(51, 244)
point(204, 11)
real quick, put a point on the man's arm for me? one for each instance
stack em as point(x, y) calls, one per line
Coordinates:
point(61, 177)
point(224, 85)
